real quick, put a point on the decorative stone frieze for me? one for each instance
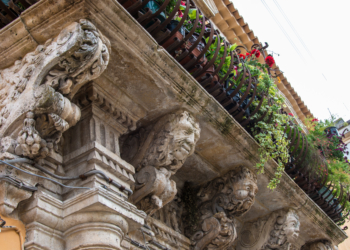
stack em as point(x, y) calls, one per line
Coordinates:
point(92, 93)
point(220, 201)
point(278, 230)
point(36, 92)
point(158, 152)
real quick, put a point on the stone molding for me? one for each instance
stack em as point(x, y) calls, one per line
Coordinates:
point(167, 235)
point(95, 209)
point(96, 153)
point(94, 94)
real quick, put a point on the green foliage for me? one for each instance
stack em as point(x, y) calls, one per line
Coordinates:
point(269, 132)
point(227, 63)
point(331, 152)
point(170, 7)
point(273, 144)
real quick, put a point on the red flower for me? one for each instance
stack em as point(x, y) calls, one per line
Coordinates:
point(183, 2)
point(269, 61)
point(314, 120)
point(247, 54)
point(235, 69)
point(290, 114)
point(256, 53)
point(180, 13)
point(242, 56)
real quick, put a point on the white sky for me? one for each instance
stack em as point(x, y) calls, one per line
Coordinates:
point(324, 27)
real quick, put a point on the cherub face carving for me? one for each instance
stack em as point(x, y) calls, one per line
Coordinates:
point(244, 189)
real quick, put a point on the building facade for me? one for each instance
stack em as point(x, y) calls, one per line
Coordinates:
point(107, 142)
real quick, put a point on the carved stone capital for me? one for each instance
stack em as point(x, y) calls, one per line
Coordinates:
point(157, 152)
point(36, 92)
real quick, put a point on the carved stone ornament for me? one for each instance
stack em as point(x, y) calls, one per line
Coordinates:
point(170, 214)
point(220, 201)
point(161, 150)
point(277, 231)
point(319, 245)
point(35, 93)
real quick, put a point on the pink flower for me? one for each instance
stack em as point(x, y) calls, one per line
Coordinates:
point(183, 2)
point(290, 114)
point(180, 14)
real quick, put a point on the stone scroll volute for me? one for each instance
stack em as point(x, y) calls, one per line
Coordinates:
point(36, 92)
point(161, 149)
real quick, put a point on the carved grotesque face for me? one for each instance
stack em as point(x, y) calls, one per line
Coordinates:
point(242, 190)
point(291, 227)
point(185, 136)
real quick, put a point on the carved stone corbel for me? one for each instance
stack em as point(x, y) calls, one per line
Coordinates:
point(161, 149)
point(277, 230)
point(38, 89)
point(220, 201)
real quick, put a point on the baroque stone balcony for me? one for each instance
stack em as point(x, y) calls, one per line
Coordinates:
point(141, 84)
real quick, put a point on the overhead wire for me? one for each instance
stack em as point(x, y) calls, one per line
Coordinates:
point(39, 176)
point(297, 34)
point(83, 176)
point(292, 27)
point(283, 30)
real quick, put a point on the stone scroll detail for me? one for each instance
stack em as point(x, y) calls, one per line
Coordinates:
point(162, 149)
point(39, 88)
point(220, 201)
point(279, 230)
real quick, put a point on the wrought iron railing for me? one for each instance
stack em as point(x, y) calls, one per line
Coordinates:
point(11, 9)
